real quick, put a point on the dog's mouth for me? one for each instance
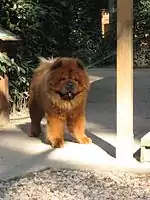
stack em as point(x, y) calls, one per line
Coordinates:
point(67, 96)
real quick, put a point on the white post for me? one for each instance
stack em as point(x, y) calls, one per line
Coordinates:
point(124, 148)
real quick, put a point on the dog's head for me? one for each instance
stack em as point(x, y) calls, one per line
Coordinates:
point(68, 77)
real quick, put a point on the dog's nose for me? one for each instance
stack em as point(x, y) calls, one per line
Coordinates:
point(70, 85)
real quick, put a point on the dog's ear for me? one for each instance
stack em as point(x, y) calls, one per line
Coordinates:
point(57, 64)
point(80, 64)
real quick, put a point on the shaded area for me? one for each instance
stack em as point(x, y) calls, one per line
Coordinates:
point(101, 109)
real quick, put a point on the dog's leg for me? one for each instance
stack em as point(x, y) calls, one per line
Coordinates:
point(55, 131)
point(76, 126)
point(36, 115)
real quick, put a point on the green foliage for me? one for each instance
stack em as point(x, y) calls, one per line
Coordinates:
point(85, 31)
point(5, 63)
point(36, 23)
point(107, 45)
point(18, 82)
point(141, 35)
point(141, 19)
point(142, 30)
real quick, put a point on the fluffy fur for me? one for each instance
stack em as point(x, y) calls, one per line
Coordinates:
point(59, 90)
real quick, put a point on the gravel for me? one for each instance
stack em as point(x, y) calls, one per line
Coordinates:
point(64, 184)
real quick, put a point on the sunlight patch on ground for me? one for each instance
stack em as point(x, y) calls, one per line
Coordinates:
point(95, 78)
point(108, 135)
point(23, 144)
point(81, 153)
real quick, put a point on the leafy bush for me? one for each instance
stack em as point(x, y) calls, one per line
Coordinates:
point(18, 82)
point(141, 32)
point(85, 31)
point(107, 45)
point(141, 35)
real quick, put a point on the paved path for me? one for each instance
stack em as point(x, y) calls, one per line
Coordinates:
point(20, 154)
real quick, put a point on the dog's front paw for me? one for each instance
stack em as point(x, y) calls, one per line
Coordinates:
point(84, 140)
point(57, 143)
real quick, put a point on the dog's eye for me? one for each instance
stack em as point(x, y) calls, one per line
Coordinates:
point(77, 80)
point(63, 79)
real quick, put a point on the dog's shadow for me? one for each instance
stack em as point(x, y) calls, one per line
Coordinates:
point(26, 126)
point(107, 147)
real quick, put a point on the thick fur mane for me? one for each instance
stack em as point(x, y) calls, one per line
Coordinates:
point(41, 75)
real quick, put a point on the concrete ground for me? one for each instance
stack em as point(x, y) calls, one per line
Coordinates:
point(20, 154)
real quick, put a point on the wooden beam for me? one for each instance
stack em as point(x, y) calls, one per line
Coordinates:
point(124, 149)
point(4, 101)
